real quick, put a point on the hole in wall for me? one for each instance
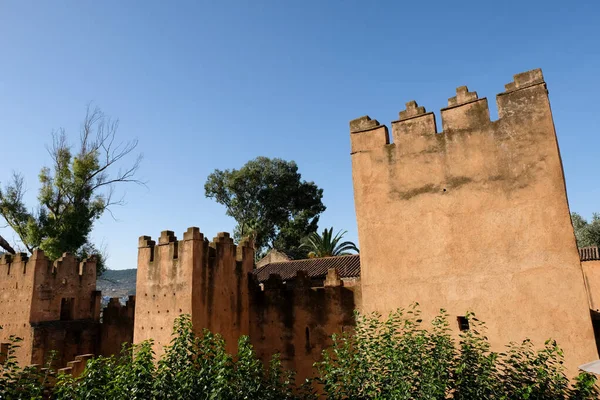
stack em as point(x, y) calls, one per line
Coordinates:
point(463, 323)
point(307, 335)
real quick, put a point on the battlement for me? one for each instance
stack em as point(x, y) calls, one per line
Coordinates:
point(206, 279)
point(38, 264)
point(221, 242)
point(114, 310)
point(523, 98)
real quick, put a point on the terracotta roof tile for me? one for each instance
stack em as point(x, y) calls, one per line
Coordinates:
point(589, 253)
point(347, 267)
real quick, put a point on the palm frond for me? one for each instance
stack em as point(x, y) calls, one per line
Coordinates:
point(327, 244)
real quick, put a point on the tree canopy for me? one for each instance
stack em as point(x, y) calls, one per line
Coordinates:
point(587, 233)
point(270, 202)
point(74, 192)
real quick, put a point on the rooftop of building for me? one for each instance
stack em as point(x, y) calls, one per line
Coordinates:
point(589, 253)
point(346, 266)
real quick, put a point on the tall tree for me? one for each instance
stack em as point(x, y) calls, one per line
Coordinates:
point(587, 233)
point(270, 202)
point(74, 192)
point(328, 245)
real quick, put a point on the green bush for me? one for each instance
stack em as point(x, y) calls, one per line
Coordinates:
point(396, 358)
point(193, 367)
point(393, 358)
point(18, 383)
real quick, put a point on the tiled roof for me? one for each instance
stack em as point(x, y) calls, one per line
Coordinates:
point(589, 253)
point(347, 267)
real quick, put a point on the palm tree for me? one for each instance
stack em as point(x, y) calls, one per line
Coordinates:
point(327, 245)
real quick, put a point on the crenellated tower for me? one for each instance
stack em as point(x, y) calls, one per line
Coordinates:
point(473, 218)
point(51, 305)
point(207, 280)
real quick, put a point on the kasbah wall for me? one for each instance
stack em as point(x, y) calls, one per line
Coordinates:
point(474, 218)
point(51, 306)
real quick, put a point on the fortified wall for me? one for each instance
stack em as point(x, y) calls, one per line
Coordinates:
point(297, 320)
point(117, 326)
point(473, 218)
point(52, 306)
point(207, 280)
point(213, 282)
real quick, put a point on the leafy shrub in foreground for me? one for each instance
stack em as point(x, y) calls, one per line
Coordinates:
point(393, 358)
point(396, 358)
point(193, 367)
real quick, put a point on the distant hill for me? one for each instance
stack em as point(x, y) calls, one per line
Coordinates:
point(117, 283)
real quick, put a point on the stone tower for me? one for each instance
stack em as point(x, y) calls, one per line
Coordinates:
point(206, 280)
point(473, 218)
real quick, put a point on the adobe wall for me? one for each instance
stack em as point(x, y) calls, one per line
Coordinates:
point(117, 326)
point(16, 291)
point(297, 322)
point(67, 338)
point(32, 293)
point(473, 218)
point(209, 281)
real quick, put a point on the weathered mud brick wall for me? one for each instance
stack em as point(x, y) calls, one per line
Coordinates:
point(208, 280)
point(117, 326)
point(298, 322)
point(51, 306)
point(473, 218)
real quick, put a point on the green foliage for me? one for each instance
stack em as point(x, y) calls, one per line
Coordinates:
point(393, 358)
point(193, 367)
point(18, 383)
point(587, 233)
point(74, 193)
point(270, 202)
point(327, 245)
point(397, 358)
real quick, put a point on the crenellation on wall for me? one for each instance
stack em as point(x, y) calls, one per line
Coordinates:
point(525, 79)
point(274, 282)
point(465, 111)
point(333, 278)
point(302, 280)
point(364, 123)
point(193, 233)
point(167, 237)
point(463, 96)
point(243, 250)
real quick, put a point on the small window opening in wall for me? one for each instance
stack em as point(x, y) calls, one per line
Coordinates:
point(463, 323)
point(67, 307)
point(307, 334)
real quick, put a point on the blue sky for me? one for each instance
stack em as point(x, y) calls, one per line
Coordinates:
point(207, 85)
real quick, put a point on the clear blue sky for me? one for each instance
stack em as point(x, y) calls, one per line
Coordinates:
point(207, 85)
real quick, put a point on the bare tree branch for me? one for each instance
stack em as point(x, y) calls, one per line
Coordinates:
point(4, 244)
